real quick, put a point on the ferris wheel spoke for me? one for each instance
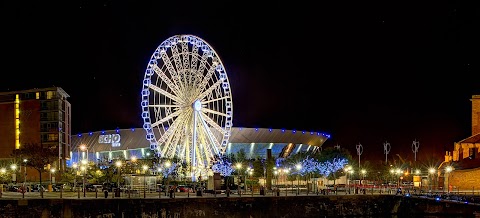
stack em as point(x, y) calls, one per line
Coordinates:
point(209, 146)
point(194, 62)
point(210, 89)
point(201, 68)
point(171, 70)
point(164, 106)
point(165, 93)
point(207, 77)
point(205, 145)
point(214, 143)
point(166, 135)
point(216, 99)
point(178, 63)
point(185, 56)
point(165, 78)
point(212, 123)
point(214, 112)
point(169, 150)
point(169, 117)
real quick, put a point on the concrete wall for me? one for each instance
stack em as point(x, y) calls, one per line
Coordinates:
point(305, 206)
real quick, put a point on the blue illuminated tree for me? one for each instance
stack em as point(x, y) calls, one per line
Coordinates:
point(223, 166)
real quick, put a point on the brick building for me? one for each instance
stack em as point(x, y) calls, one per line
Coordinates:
point(38, 116)
point(465, 157)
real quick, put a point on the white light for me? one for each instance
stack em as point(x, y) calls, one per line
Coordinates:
point(197, 105)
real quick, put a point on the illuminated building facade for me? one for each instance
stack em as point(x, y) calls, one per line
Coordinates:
point(104, 146)
point(36, 116)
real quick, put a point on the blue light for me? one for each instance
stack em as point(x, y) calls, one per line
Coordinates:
point(437, 199)
point(270, 129)
point(311, 133)
point(303, 132)
point(79, 135)
point(90, 133)
point(407, 195)
point(294, 131)
point(318, 133)
point(133, 129)
point(117, 130)
point(241, 128)
point(283, 130)
point(256, 129)
point(103, 132)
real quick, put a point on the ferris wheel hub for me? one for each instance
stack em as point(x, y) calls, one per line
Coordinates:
point(197, 105)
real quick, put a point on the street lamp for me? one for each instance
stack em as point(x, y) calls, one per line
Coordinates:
point(52, 171)
point(431, 171)
point(119, 167)
point(145, 168)
point(448, 169)
point(25, 173)
point(398, 172)
point(298, 167)
point(285, 175)
point(14, 175)
point(239, 167)
point(275, 173)
point(84, 169)
point(364, 172)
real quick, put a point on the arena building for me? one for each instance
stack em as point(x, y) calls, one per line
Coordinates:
point(108, 145)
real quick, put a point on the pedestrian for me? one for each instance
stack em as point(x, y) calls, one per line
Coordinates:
point(171, 191)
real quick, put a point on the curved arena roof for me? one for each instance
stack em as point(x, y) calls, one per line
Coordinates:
point(255, 141)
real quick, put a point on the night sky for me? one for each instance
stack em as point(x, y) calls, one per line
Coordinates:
point(363, 72)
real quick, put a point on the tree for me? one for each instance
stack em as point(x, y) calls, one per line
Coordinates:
point(38, 157)
point(332, 160)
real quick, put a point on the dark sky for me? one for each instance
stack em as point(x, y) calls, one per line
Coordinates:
point(363, 72)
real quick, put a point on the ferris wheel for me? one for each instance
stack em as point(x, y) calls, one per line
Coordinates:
point(187, 105)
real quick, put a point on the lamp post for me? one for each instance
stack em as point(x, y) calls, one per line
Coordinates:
point(285, 175)
point(275, 175)
point(364, 172)
point(119, 167)
point(431, 171)
point(84, 171)
point(145, 168)
point(417, 173)
point(239, 167)
point(24, 174)
point(14, 175)
point(448, 169)
point(298, 167)
point(398, 172)
point(75, 167)
point(52, 171)
point(349, 170)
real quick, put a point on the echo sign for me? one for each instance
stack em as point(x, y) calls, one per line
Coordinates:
point(113, 139)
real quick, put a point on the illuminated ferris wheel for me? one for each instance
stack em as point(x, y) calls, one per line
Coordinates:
point(186, 102)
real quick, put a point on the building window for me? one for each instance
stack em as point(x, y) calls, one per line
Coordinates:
point(50, 94)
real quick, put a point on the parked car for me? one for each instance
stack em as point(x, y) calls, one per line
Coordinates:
point(37, 188)
point(184, 188)
point(12, 188)
point(108, 186)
